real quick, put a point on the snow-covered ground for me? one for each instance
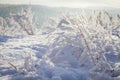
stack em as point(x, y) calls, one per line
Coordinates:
point(15, 50)
point(28, 58)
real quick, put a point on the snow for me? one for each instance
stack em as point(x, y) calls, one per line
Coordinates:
point(73, 51)
point(22, 50)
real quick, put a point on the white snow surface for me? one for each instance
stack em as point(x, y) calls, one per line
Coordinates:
point(34, 58)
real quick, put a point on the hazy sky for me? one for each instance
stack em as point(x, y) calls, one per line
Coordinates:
point(67, 3)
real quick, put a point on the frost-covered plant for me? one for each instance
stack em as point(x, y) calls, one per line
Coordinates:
point(91, 35)
point(21, 23)
point(25, 20)
point(3, 26)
